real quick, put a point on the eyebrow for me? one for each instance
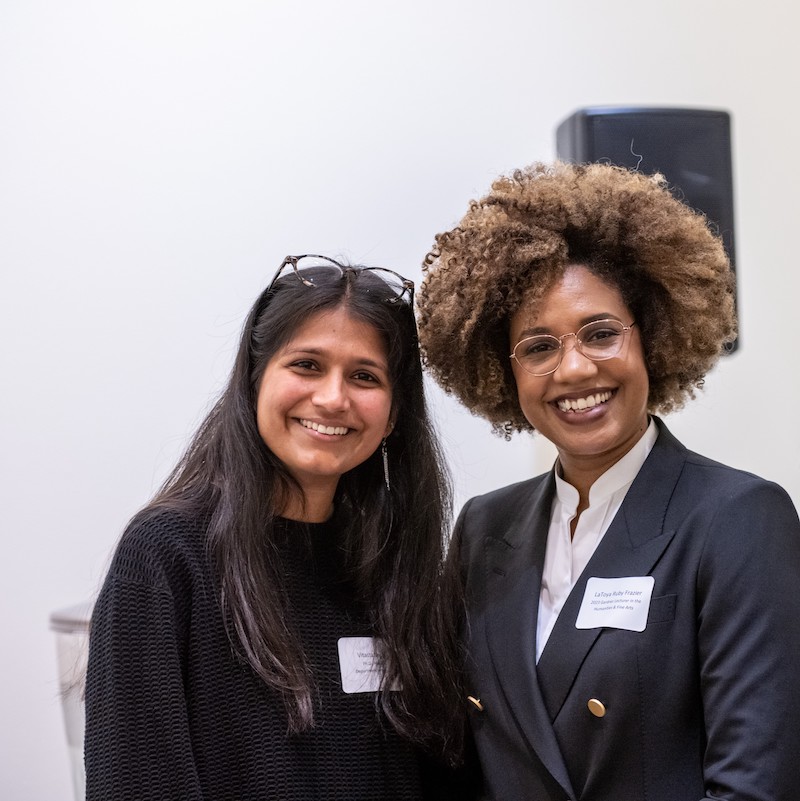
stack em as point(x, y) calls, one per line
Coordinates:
point(534, 330)
point(360, 360)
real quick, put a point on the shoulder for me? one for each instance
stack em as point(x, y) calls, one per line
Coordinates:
point(719, 483)
point(501, 498)
point(701, 479)
point(160, 546)
point(497, 514)
point(726, 510)
point(746, 533)
point(158, 588)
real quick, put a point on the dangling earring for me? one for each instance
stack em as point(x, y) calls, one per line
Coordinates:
point(385, 455)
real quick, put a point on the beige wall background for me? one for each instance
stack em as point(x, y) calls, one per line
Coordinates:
point(158, 160)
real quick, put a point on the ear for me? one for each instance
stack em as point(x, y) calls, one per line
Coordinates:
point(390, 425)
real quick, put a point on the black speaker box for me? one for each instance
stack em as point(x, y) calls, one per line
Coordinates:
point(690, 147)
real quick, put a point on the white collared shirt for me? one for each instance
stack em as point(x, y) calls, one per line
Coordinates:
point(566, 556)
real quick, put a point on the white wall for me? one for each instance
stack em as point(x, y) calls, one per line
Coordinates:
point(158, 160)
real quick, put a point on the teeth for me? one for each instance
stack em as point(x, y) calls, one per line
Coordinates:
point(581, 404)
point(330, 430)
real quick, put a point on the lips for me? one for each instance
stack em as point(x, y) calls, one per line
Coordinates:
point(334, 431)
point(585, 403)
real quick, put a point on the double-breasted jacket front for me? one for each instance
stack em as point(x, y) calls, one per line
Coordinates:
point(702, 704)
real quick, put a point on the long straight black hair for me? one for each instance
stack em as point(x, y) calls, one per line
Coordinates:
point(395, 537)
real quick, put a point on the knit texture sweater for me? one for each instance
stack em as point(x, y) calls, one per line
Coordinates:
point(172, 713)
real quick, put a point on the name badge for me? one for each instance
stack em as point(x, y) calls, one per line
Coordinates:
point(360, 665)
point(616, 603)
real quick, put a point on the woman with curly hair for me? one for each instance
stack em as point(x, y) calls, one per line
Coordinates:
point(633, 616)
point(273, 624)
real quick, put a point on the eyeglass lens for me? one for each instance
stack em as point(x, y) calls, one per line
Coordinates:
point(598, 340)
point(311, 270)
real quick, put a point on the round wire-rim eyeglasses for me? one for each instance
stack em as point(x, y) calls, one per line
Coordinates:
point(541, 354)
point(400, 287)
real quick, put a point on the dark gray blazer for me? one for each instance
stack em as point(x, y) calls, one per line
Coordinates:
point(703, 704)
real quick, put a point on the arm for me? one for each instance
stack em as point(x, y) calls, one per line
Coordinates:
point(459, 552)
point(748, 585)
point(470, 779)
point(137, 734)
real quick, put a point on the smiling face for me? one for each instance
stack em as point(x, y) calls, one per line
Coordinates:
point(324, 403)
point(592, 411)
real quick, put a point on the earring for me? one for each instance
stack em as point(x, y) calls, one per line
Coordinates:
point(385, 455)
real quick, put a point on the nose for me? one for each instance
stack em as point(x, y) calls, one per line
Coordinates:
point(330, 393)
point(573, 362)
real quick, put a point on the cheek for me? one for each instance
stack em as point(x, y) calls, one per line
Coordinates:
point(265, 421)
point(273, 402)
point(378, 411)
point(528, 389)
point(645, 391)
point(640, 375)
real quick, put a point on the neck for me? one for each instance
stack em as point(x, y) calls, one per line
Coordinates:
point(309, 506)
point(582, 470)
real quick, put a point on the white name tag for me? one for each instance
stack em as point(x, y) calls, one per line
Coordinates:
point(616, 603)
point(360, 665)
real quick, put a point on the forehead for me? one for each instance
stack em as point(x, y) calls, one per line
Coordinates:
point(340, 331)
point(575, 299)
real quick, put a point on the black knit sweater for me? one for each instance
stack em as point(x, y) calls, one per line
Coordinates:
point(171, 713)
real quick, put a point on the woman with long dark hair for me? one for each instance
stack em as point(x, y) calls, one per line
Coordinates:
point(274, 623)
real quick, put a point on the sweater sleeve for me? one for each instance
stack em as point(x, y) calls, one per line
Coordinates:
point(137, 743)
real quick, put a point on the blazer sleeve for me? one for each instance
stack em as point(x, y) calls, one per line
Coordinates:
point(470, 786)
point(748, 618)
point(461, 545)
point(137, 744)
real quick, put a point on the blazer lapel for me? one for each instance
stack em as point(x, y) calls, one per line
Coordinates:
point(514, 572)
point(632, 545)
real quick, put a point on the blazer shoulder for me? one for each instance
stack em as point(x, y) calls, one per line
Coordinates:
point(498, 513)
point(700, 477)
point(726, 497)
point(709, 474)
point(505, 498)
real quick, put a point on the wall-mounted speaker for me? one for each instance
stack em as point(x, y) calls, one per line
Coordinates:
point(690, 147)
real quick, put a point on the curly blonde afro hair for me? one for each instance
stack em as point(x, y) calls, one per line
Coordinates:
point(514, 244)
